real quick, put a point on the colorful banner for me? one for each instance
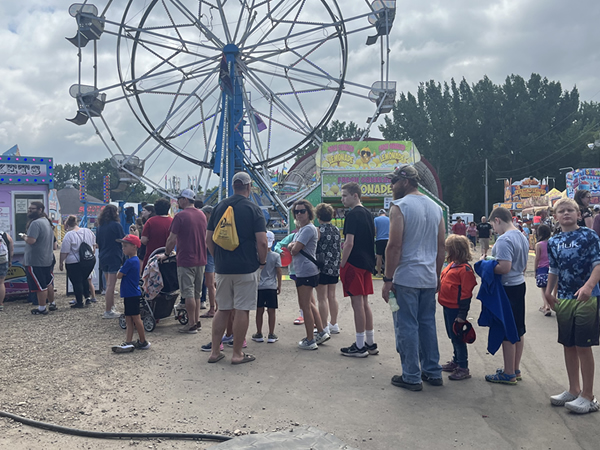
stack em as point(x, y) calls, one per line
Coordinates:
point(513, 206)
point(16, 280)
point(585, 179)
point(367, 155)
point(372, 184)
point(526, 188)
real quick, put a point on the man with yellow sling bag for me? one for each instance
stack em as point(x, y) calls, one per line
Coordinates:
point(237, 238)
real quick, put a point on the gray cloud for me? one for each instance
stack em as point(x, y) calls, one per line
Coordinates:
point(429, 40)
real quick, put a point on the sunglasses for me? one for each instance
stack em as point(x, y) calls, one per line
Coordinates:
point(299, 211)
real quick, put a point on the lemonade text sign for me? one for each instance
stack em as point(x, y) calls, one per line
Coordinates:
point(373, 184)
point(367, 155)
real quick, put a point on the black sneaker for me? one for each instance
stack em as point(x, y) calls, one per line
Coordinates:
point(398, 381)
point(88, 301)
point(373, 350)
point(77, 305)
point(36, 312)
point(141, 345)
point(353, 350)
point(432, 381)
point(52, 307)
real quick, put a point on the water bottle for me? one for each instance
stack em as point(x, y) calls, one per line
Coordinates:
point(392, 302)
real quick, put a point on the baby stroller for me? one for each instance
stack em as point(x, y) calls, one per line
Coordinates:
point(163, 305)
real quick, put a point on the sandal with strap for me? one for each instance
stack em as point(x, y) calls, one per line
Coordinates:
point(502, 378)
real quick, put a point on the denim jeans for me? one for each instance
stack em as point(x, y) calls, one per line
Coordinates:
point(460, 348)
point(416, 336)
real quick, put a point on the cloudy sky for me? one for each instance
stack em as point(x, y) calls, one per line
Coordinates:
point(429, 40)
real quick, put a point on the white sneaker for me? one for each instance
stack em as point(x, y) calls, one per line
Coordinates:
point(305, 344)
point(334, 329)
point(115, 310)
point(322, 337)
point(582, 405)
point(561, 399)
point(125, 347)
point(111, 315)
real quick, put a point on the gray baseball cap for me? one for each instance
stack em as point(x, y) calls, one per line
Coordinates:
point(241, 177)
point(404, 171)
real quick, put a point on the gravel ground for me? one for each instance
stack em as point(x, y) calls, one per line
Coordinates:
point(59, 369)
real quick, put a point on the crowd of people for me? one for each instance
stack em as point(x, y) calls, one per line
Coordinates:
point(227, 251)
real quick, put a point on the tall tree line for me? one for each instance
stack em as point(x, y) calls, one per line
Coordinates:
point(523, 127)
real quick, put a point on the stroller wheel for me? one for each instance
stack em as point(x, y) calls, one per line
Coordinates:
point(149, 323)
point(182, 317)
point(122, 321)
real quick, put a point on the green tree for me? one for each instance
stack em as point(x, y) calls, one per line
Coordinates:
point(335, 131)
point(523, 127)
point(95, 172)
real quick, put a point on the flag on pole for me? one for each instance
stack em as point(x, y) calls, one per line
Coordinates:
point(260, 124)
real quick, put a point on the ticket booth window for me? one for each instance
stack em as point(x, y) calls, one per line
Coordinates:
point(21, 203)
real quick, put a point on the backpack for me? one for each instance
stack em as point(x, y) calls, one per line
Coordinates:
point(225, 234)
point(3, 248)
point(86, 253)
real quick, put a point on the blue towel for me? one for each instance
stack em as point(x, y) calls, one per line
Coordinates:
point(496, 312)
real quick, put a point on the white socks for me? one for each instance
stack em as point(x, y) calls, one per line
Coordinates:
point(360, 339)
point(370, 335)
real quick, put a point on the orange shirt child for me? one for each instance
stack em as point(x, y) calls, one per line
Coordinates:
point(457, 282)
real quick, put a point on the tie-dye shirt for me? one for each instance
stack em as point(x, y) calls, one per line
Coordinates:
point(573, 255)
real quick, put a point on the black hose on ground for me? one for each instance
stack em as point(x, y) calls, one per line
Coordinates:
point(108, 435)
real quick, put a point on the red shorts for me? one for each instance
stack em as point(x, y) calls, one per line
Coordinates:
point(356, 281)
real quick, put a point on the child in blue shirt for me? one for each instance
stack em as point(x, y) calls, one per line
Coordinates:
point(574, 258)
point(129, 274)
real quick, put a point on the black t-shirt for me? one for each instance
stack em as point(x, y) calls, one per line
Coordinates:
point(359, 222)
point(484, 230)
point(249, 219)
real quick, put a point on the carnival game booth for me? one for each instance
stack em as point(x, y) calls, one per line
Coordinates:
point(366, 163)
point(586, 179)
point(23, 179)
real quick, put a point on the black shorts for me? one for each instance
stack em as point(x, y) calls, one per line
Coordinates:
point(267, 298)
point(132, 306)
point(328, 279)
point(307, 281)
point(516, 296)
point(39, 278)
point(380, 247)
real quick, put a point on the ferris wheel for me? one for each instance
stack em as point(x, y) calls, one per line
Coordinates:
point(224, 85)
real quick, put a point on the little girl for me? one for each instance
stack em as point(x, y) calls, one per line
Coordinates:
point(541, 264)
point(472, 233)
point(457, 281)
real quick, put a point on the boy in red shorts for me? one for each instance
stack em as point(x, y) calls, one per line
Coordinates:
point(356, 268)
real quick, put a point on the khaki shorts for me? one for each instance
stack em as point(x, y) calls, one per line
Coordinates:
point(237, 291)
point(190, 281)
point(485, 243)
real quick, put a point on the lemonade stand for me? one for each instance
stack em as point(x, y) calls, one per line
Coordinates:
point(366, 163)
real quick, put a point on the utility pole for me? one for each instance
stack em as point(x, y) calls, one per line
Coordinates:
point(486, 188)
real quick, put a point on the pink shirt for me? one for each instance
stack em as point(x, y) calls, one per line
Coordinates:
point(543, 261)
